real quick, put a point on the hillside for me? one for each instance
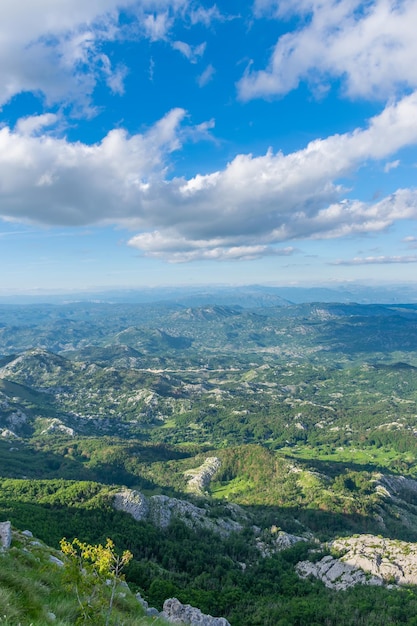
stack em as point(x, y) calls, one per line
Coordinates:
point(224, 447)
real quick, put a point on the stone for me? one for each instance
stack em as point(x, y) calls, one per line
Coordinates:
point(152, 612)
point(5, 535)
point(142, 601)
point(388, 559)
point(54, 559)
point(27, 533)
point(335, 574)
point(160, 509)
point(184, 614)
point(200, 478)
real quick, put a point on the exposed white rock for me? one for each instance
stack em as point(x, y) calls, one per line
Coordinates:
point(184, 614)
point(132, 502)
point(201, 477)
point(8, 434)
point(57, 426)
point(366, 559)
point(389, 559)
point(284, 540)
point(5, 535)
point(161, 509)
point(335, 574)
point(56, 561)
point(16, 419)
point(394, 485)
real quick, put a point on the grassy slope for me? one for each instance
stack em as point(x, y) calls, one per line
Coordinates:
point(32, 587)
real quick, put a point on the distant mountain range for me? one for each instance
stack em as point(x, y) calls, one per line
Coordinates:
point(245, 295)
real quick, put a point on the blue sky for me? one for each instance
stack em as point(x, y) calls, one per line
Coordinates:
point(181, 142)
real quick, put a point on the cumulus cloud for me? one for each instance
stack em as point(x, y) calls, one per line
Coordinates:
point(179, 249)
point(246, 210)
point(371, 46)
point(54, 48)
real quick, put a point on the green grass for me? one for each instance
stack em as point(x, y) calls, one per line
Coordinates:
point(232, 488)
point(370, 457)
point(32, 588)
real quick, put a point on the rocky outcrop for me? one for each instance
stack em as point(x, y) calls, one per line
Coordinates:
point(389, 559)
point(5, 535)
point(284, 540)
point(280, 541)
point(367, 560)
point(184, 614)
point(160, 510)
point(335, 574)
point(200, 478)
point(132, 502)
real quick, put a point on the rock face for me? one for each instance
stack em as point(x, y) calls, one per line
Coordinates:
point(335, 574)
point(200, 478)
point(389, 559)
point(366, 560)
point(5, 535)
point(176, 613)
point(161, 509)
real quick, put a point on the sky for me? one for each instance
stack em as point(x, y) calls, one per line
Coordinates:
point(162, 142)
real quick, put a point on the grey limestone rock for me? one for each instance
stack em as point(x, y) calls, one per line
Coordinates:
point(367, 560)
point(160, 509)
point(389, 559)
point(335, 574)
point(152, 612)
point(5, 535)
point(132, 502)
point(184, 614)
point(56, 561)
point(285, 540)
point(199, 479)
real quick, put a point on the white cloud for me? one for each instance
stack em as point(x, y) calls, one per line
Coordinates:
point(48, 180)
point(377, 260)
point(200, 15)
point(371, 46)
point(181, 250)
point(192, 53)
point(49, 47)
point(206, 76)
point(54, 48)
point(35, 124)
point(157, 25)
point(392, 165)
point(242, 211)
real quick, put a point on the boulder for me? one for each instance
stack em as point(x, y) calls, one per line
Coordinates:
point(5, 535)
point(184, 614)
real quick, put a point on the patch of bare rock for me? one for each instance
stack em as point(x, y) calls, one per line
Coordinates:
point(367, 560)
point(176, 613)
point(160, 509)
point(200, 478)
point(5, 535)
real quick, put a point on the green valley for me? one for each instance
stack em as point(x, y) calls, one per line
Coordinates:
point(204, 438)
